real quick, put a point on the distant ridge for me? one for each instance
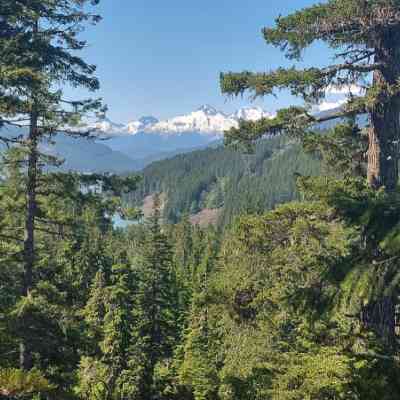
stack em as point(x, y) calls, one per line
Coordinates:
point(130, 147)
point(206, 120)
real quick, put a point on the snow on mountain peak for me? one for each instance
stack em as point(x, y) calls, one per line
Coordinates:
point(105, 125)
point(252, 114)
point(141, 124)
point(205, 120)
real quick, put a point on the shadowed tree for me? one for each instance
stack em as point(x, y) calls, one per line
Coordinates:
point(364, 35)
point(38, 45)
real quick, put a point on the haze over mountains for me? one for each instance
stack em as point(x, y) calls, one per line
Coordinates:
point(148, 139)
point(132, 146)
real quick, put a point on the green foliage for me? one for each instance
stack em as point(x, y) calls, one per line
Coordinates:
point(299, 302)
point(156, 304)
point(343, 149)
point(263, 84)
point(221, 177)
point(198, 370)
point(277, 310)
point(109, 314)
point(74, 240)
point(290, 288)
point(18, 384)
point(362, 36)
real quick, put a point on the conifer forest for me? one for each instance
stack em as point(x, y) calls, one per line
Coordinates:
point(292, 292)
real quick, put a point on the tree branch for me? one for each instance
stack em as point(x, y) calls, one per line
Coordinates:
point(294, 121)
point(308, 83)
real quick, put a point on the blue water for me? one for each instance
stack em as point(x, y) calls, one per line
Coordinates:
point(121, 223)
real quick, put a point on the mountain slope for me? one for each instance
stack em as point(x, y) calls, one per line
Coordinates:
point(221, 178)
point(81, 154)
point(91, 156)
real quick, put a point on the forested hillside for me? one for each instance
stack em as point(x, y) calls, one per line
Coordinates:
point(226, 178)
point(294, 296)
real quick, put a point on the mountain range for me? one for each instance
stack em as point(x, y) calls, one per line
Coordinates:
point(130, 147)
point(148, 139)
point(205, 120)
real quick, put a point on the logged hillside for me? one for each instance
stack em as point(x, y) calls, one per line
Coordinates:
point(221, 177)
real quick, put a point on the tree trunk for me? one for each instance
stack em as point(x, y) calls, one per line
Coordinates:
point(383, 160)
point(26, 360)
point(384, 133)
point(383, 148)
point(29, 240)
point(380, 317)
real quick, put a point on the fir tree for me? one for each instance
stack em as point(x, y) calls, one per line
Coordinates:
point(42, 45)
point(364, 36)
point(69, 251)
point(156, 330)
point(199, 369)
point(288, 289)
point(108, 373)
point(182, 234)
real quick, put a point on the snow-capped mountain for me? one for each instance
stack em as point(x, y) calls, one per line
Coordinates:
point(134, 145)
point(148, 137)
point(107, 126)
point(141, 124)
point(251, 114)
point(205, 120)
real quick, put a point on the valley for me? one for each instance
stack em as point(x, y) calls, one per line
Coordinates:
point(151, 249)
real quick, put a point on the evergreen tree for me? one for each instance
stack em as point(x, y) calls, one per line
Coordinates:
point(199, 369)
point(156, 329)
point(288, 291)
point(182, 234)
point(107, 373)
point(42, 45)
point(363, 35)
point(183, 244)
point(78, 242)
point(16, 384)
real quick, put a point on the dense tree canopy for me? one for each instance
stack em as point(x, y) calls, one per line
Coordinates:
point(224, 179)
point(295, 295)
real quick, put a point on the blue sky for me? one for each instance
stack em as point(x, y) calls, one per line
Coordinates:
point(163, 58)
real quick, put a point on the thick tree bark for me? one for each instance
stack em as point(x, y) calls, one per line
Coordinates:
point(384, 133)
point(29, 240)
point(383, 157)
point(383, 160)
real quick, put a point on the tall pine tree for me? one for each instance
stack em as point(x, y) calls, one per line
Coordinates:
point(38, 50)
